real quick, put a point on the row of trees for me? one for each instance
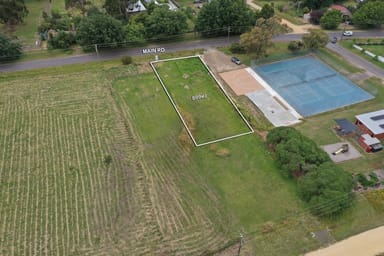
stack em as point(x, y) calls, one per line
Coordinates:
point(323, 185)
point(367, 14)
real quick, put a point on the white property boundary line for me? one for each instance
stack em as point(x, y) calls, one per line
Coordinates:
point(178, 112)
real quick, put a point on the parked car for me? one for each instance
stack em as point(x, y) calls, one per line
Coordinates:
point(334, 40)
point(235, 60)
point(347, 33)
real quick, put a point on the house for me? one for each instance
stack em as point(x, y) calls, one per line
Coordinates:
point(346, 14)
point(372, 123)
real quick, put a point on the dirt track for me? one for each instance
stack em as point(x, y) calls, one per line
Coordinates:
point(369, 243)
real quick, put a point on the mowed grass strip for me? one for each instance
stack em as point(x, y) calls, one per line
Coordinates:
point(210, 117)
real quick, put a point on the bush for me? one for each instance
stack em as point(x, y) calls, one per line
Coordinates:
point(295, 46)
point(364, 181)
point(63, 40)
point(10, 49)
point(126, 60)
point(237, 48)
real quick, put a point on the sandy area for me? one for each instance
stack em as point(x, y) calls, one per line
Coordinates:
point(219, 62)
point(369, 243)
point(296, 29)
point(240, 81)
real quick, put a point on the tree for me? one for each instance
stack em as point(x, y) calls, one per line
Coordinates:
point(370, 14)
point(327, 189)
point(317, 4)
point(222, 16)
point(315, 39)
point(260, 37)
point(118, 8)
point(134, 33)
point(164, 22)
point(9, 49)
point(100, 29)
point(315, 16)
point(266, 12)
point(331, 19)
point(12, 11)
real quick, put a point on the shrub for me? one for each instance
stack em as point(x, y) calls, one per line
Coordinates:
point(237, 48)
point(126, 60)
point(294, 46)
point(63, 40)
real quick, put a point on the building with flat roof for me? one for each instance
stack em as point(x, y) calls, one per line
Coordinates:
point(372, 123)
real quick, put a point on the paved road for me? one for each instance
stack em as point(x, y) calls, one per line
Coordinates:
point(357, 60)
point(114, 54)
point(179, 46)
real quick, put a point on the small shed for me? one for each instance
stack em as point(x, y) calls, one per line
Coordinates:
point(346, 128)
point(372, 123)
point(370, 144)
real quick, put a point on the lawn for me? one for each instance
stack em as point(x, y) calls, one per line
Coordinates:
point(27, 32)
point(206, 110)
point(376, 49)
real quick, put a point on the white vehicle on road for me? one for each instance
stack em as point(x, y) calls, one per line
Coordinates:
point(347, 33)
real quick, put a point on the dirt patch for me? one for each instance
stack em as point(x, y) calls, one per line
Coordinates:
point(219, 62)
point(241, 82)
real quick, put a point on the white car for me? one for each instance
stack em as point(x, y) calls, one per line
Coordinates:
point(347, 33)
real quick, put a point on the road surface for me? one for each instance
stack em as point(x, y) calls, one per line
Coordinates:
point(190, 45)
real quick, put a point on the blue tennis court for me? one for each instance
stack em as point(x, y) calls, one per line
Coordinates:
point(310, 86)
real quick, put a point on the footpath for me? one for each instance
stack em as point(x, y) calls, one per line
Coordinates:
point(369, 243)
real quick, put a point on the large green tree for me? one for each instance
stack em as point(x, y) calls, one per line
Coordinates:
point(118, 8)
point(315, 39)
point(100, 29)
point(259, 38)
point(331, 19)
point(222, 16)
point(9, 49)
point(12, 11)
point(370, 14)
point(327, 189)
point(317, 4)
point(163, 22)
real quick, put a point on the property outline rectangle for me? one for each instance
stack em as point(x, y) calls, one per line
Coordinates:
point(221, 88)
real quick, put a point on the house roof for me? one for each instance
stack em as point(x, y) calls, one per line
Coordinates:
point(374, 121)
point(346, 126)
point(344, 10)
point(368, 140)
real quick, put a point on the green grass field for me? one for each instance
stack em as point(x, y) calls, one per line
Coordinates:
point(158, 195)
point(210, 118)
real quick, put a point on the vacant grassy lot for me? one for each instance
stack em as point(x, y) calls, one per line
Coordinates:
point(93, 162)
point(208, 118)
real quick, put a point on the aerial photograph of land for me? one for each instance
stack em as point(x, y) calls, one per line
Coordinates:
point(192, 127)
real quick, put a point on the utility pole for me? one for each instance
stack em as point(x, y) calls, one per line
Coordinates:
point(229, 30)
point(97, 52)
point(240, 244)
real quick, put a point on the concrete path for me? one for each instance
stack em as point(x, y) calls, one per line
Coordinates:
point(369, 243)
point(296, 29)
